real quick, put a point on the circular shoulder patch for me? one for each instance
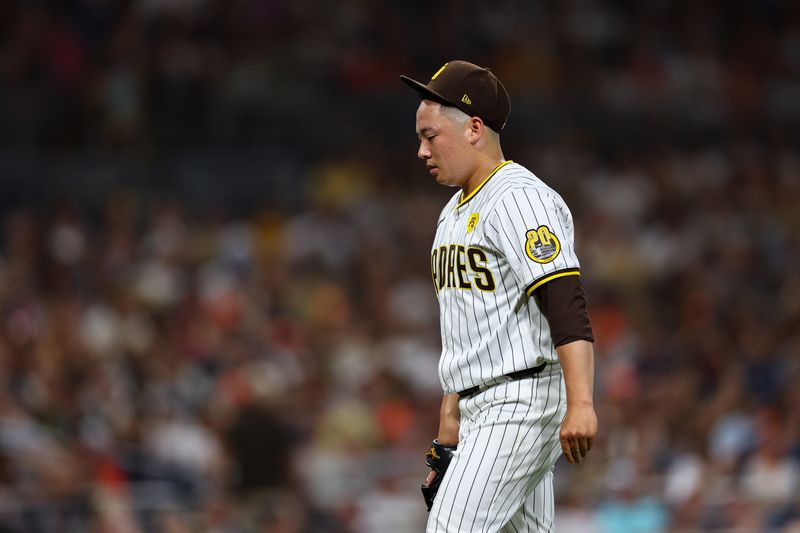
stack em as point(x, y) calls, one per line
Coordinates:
point(542, 245)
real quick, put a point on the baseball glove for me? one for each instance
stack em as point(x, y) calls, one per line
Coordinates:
point(438, 459)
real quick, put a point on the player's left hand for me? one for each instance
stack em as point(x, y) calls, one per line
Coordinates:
point(578, 431)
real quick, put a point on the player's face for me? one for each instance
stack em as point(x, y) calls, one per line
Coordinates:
point(443, 145)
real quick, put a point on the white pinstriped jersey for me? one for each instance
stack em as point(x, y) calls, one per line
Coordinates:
point(492, 249)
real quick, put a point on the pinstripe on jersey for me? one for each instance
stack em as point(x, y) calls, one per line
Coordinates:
point(501, 475)
point(491, 250)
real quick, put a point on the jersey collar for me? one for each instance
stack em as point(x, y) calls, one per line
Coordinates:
point(479, 187)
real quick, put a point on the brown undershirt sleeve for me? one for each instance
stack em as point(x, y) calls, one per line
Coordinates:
point(563, 303)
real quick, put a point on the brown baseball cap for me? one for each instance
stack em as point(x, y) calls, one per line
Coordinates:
point(474, 90)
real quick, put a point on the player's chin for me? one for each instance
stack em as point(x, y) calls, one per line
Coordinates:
point(442, 179)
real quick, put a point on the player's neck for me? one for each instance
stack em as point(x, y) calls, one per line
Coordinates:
point(485, 167)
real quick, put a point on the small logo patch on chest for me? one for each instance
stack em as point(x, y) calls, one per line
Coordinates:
point(472, 221)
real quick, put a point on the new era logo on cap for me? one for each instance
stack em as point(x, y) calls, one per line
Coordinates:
point(474, 90)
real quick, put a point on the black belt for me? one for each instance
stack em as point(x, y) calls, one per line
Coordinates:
point(513, 376)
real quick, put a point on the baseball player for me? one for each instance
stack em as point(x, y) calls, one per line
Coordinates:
point(517, 361)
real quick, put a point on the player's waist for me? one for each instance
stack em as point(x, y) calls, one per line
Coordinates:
point(546, 367)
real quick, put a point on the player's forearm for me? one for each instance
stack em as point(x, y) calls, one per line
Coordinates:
point(577, 362)
point(448, 420)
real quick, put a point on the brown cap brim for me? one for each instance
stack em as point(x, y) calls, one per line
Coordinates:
point(425, 92)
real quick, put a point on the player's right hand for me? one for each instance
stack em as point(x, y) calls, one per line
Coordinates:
point(430, 478)
point(438, 459)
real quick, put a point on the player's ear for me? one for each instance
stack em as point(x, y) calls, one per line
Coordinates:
point(476, 127)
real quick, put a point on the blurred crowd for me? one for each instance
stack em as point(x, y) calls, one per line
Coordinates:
point(216, 313)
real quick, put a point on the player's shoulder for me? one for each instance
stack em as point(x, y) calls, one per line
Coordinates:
point(518, 182)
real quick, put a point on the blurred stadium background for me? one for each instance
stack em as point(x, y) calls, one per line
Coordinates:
point(215, 304)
